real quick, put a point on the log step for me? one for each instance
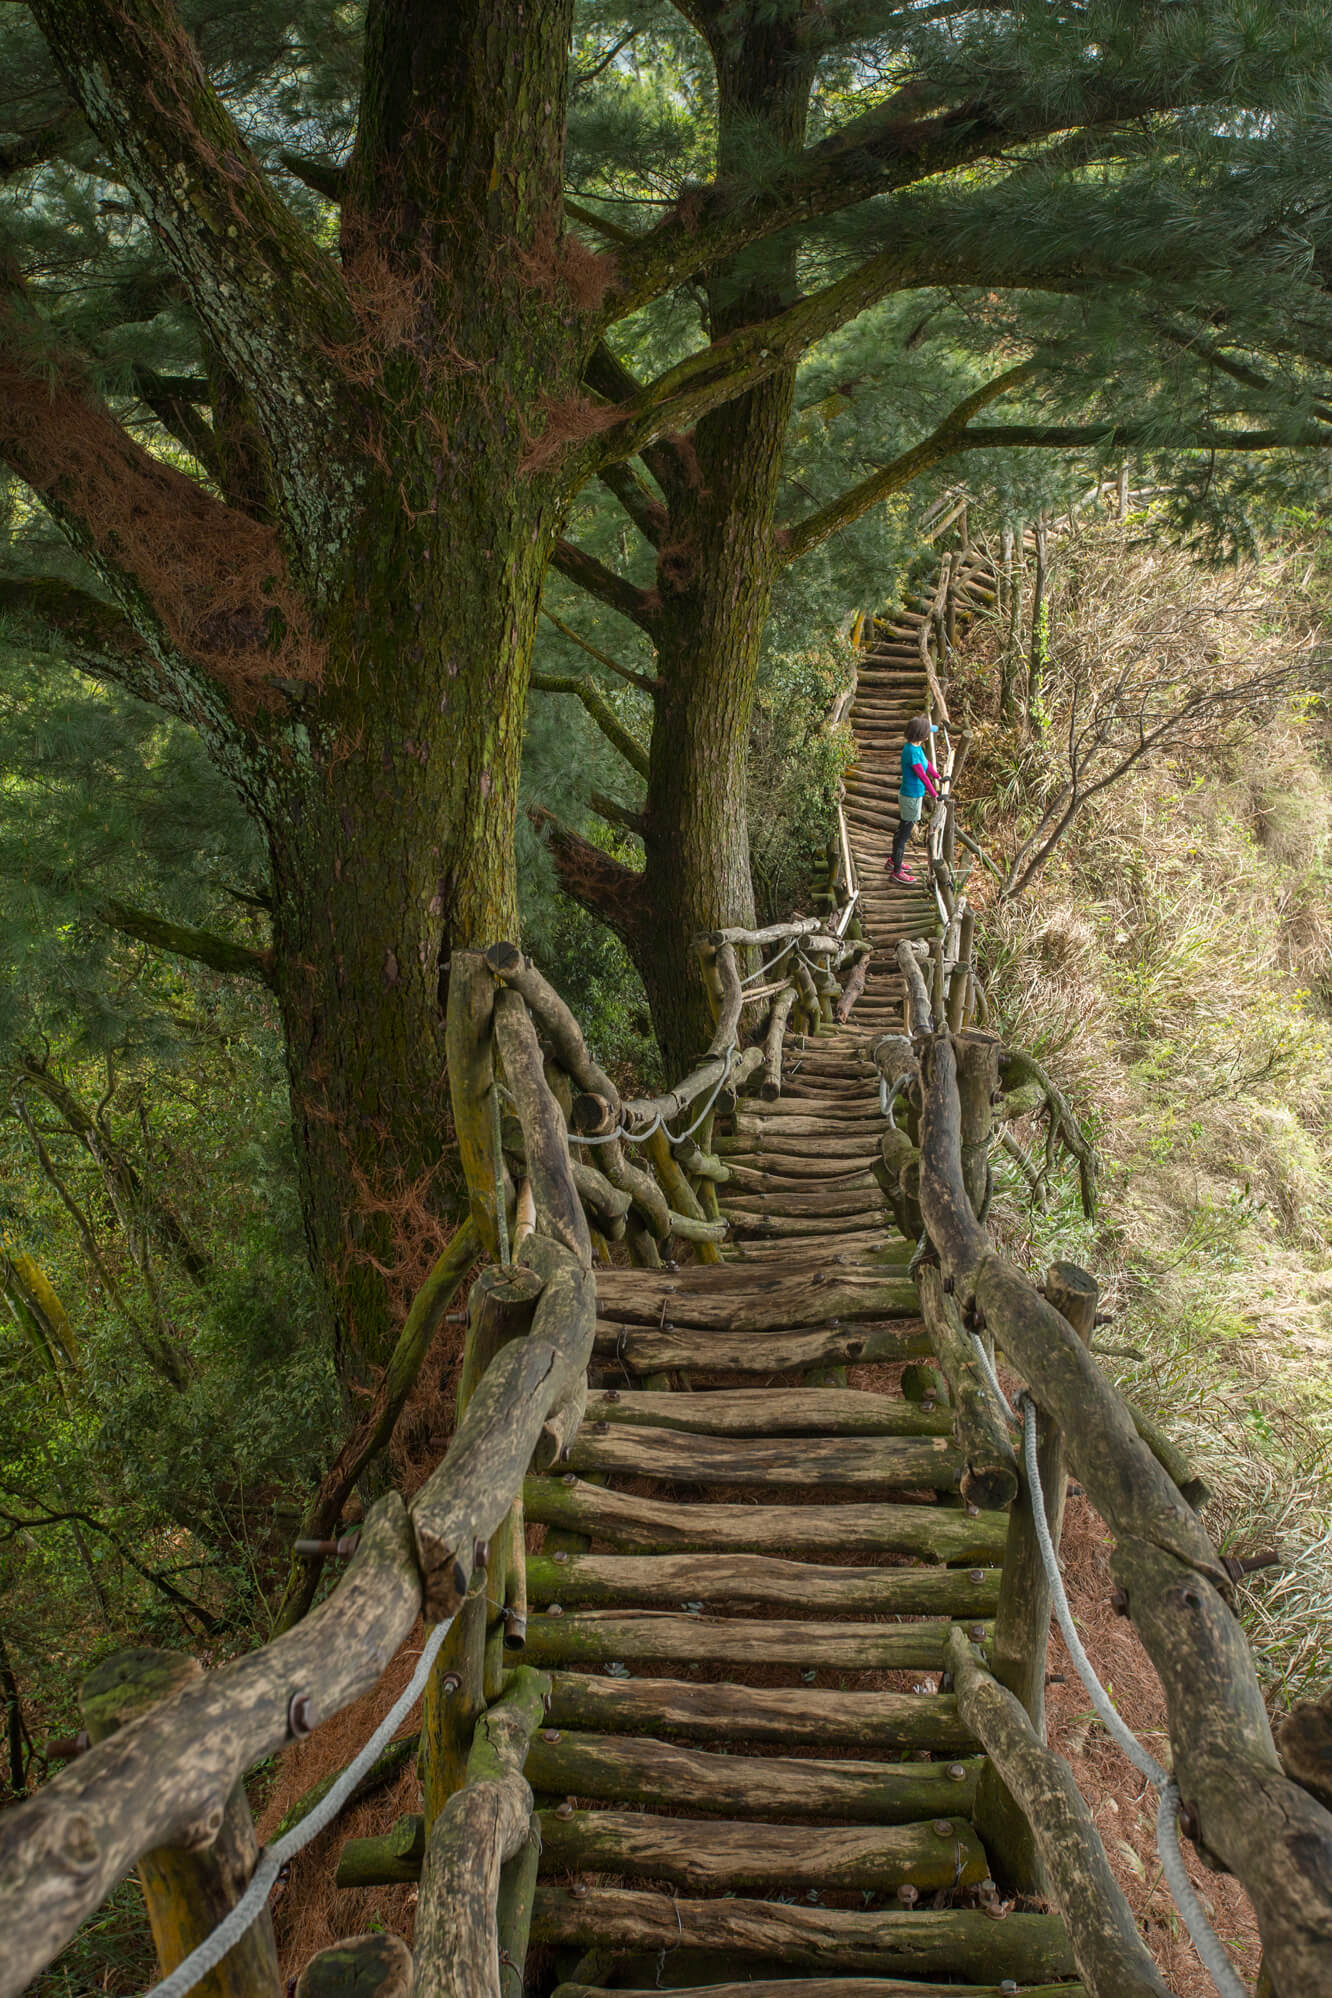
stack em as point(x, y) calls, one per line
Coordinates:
point(793, 1300)
point(1031, 1949)
point(828, 1987)
point(661, 1774)
point(647, 1349)
point(730, 1581)
point(711, 1855)
point(872, 1723)
point(607, 1637)
point(944, 1534)
point(769, 1412)
point(918, 1943)
point(909, 1463)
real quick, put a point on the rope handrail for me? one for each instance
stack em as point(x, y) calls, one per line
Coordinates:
point(1201, 1932)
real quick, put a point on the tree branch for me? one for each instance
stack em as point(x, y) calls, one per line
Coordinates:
point(887, 149)
point(50, 141)
point(94, 636)
point(1114, 436)
point(270, 300)
point(639, 680)
point(611, 892)
point(601, 582)
point(616, 814)
point(185, 941)
point(945, 439)
point(179, 562)
point(648, 514)
point(320, 176)
point(702, 381)
point(178, 413)
point(603, 714)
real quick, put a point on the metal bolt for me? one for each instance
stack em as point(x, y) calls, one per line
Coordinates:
point(908, 1895)
point(975, 1574)
point(1119, 1600)
point(550, 1734)
point(600, 1428)
point(579, 1889)
point(977, 1633)
point(327, 1550)
point(1238, 1565)
point(956, 1772)
point(66, 1747)
point(948, 1286)
point(612, 1394)
point(566, 1809)
point(555, 1609)
point(559, 1555)
point(973, 1511)
point(568, 1479)
point(301, 1717)
point(449, 1684)
point(927, 1404)
point(481, 1554)
point(943, 1827)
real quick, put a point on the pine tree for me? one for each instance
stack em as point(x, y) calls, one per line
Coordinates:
point(310, 340)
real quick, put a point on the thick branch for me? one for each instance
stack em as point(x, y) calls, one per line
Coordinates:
point(268, 298)
point(887, 149)
point(201, 945)
point(947, 437)
point(602, 583)
point(599, 708)
point(648, 514)
point(175, 405)
point(715, 374)
point(634, 679)
point(607, 889)
point(616, 814)
point(201, 584)
point(320, 176)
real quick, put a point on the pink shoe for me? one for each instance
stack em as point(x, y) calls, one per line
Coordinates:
point(900, 874)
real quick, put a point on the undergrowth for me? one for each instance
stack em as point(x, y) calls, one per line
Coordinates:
point(1172, 966)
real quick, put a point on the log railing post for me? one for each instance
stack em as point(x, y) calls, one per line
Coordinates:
point(500, 1309)
point(1022, 1619)
point(188, 1890)
point(469, 1040)
point(369, 1966)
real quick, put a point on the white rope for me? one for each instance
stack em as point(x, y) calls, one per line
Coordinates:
point(1204, 1937)
point(248, 1909)
point(658, 1121)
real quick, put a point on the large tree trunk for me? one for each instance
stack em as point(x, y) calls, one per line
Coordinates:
point(392, 832)
point(392, 843)
point(715, 574)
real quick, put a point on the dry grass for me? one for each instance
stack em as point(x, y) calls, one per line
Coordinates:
point(1173, 966)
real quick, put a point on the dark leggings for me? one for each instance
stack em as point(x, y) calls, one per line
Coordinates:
point(900, 838)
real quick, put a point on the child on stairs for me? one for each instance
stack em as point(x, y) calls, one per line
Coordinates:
point(918, 776)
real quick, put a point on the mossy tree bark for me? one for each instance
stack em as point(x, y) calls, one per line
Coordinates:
point(344, 606)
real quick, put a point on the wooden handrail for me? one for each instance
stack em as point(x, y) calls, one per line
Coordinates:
point(1247, 1814)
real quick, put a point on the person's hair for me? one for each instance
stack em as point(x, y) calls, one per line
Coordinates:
point(918, 729)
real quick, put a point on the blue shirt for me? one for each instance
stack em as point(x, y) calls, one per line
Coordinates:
point(914, 760)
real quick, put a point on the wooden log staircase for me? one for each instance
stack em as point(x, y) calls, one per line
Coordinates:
point(751, 1779)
